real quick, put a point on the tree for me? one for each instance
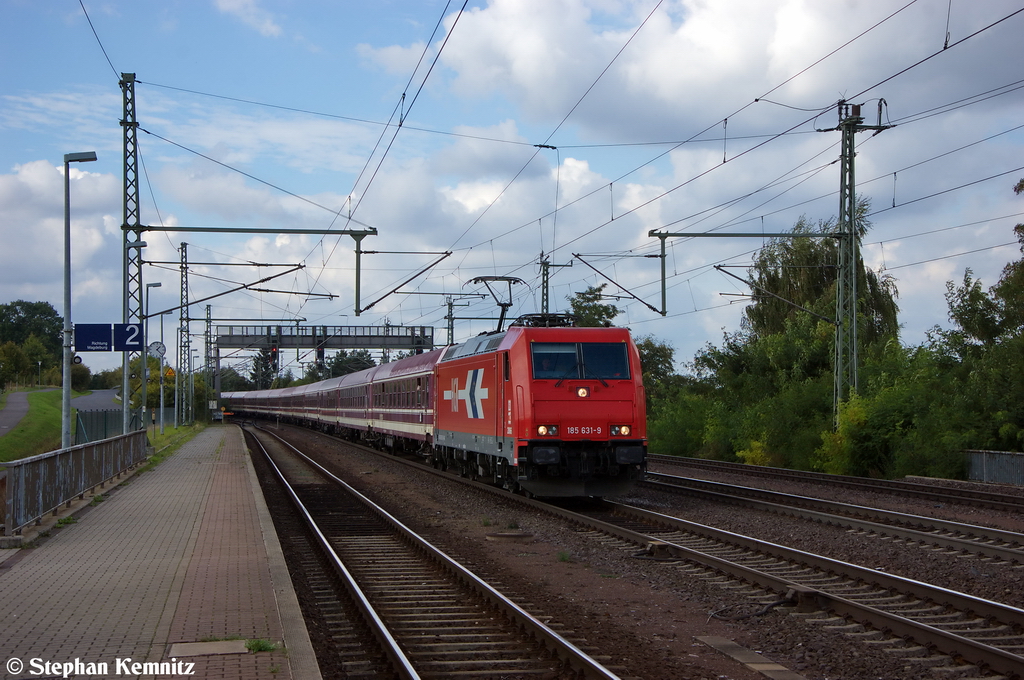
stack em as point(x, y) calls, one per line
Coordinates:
point(80, 377)
point(802, 270)
point(262, 373)
point(13, 363)
point(345, 362)
point(1009, 292)
point(765, 394)
point(106, 379)
point(587, 308)
point(658, 365)
point(284, 380)
point(977, 314)
point(37, 354)
point(232, 381)
point(21, 319)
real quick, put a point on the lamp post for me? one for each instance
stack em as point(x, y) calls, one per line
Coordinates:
point(162, 376)
point(65, 407)
point(145, 359)
point(193, 355)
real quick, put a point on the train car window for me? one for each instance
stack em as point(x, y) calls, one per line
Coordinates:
point(586, 360)
point(605, 360)
point(555, 360)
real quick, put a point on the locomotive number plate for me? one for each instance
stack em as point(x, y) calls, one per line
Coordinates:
point(584, 429)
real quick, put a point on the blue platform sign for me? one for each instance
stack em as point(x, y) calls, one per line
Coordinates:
point(93, 337)
point(128, 337)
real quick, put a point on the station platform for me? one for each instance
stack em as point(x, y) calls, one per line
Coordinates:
point(177, 565)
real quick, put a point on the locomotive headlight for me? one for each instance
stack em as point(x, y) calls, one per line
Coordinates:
point(620, 430)
point(583, 392)
point(547, 430)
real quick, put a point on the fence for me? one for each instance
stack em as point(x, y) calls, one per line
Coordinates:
point(99, 424)
point(999, 467)
point(40, 484)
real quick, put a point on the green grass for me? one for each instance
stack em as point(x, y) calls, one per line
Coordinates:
point(38, 431)
point(170, 442)
point(171, 435)
point(260, 645)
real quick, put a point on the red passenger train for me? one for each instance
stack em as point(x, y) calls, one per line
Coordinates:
point(548, 411)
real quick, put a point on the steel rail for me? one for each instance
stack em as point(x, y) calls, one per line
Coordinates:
point(797, 506)
point(578, 660)
point(400, 662)
point(949, 643)
point(976, 497)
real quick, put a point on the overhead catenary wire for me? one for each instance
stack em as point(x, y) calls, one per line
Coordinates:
point(99, 42)
point(492, 238)
point(404, 113)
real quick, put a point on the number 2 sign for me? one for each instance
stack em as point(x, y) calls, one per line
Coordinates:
point(128, 337)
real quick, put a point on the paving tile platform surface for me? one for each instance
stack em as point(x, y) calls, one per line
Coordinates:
point(183, 553)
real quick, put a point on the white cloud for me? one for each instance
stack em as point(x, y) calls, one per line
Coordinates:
point(513, 70)
point(252, 15)
point(396, 59)
point(474, 196)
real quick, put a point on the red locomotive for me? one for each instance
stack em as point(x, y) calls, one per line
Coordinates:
point(549, 411)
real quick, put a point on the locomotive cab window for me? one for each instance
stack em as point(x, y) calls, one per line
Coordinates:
point(580, 360)
point(554, 360)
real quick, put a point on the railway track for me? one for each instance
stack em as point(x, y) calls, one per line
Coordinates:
point(429, 616)
point(921, 623)
point(1006, 546)
point(933, 493)
point(943, 624)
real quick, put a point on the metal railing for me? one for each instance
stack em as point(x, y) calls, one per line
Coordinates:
point(998, 467)
point(42, 483)
point(99, 424)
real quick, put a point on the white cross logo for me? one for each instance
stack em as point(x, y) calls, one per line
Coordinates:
point(473, 394)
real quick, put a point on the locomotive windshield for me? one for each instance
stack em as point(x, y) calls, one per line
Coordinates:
point(576, 360)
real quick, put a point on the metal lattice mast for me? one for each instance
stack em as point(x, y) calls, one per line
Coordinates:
point(545, 282)
point(184, 345)
point(208, 360)
point(545, 278)
point(132, 229)
point(846, 359)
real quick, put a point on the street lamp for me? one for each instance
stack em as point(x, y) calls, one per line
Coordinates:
point(162, 375)
point(65, 408)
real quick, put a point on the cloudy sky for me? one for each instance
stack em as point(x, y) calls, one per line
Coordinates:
point(498, 132)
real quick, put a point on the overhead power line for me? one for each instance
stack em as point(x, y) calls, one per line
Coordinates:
point(117, 74)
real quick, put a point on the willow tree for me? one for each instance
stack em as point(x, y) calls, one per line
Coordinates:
point(803, 271)
point(769, 386)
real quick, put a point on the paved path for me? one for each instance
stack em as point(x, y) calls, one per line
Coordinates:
point(98, 400)
point(17, 405)
point(14, 410)
point(184, 553)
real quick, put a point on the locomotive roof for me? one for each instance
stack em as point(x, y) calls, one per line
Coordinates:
point(477, 345)
point(494, 341)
